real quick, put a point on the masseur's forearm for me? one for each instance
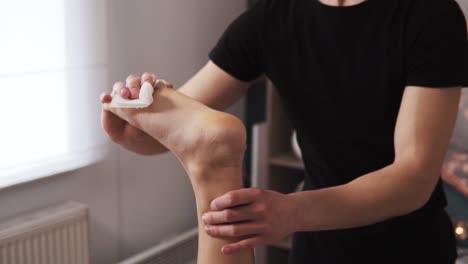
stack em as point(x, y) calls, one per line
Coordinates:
point(423, 130)
point(392, 191)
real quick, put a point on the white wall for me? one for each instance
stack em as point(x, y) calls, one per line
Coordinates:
point(131, 211)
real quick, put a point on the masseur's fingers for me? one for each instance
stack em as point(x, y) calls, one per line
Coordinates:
point(242, 245)
point(148, 77)
point(240, 213)
point(111, 123)
point(235, 198)
point(237, 230)
point(133, 83)
point(126, 115)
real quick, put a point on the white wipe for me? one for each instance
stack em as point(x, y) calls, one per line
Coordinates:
point(145, 97)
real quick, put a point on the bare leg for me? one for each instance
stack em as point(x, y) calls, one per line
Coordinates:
point(209, 250)
point(209, 144)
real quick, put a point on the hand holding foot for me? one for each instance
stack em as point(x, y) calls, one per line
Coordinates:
point(119, 130)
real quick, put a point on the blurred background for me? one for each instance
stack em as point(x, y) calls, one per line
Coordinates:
point(56, 57)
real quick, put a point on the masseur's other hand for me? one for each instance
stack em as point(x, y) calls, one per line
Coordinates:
point(120, 131)
point(259, 217)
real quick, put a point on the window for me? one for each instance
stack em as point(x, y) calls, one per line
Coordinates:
point(53, 65)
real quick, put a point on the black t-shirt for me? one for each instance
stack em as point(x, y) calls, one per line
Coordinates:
point(341, 73)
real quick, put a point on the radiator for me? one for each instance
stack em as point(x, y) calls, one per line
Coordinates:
point(54, 235)
point(181, 249)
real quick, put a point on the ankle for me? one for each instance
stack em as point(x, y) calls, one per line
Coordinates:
point(219, 143)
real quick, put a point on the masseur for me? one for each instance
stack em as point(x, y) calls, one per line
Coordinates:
point(372, 89)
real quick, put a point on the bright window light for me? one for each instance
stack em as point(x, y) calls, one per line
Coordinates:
point(34, 122)
point(35, 136)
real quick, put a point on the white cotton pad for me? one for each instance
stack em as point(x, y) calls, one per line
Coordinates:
point(145, 97)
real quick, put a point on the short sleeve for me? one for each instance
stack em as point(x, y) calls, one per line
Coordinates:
point(238, 51)
point(438, 48)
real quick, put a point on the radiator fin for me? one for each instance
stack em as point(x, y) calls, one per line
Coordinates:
point(54, 235)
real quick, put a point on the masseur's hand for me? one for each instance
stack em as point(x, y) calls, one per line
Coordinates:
point(259, 216)
point(120, 131)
